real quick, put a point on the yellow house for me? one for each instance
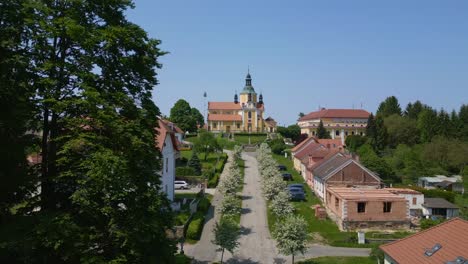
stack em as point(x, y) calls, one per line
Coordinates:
point(244, 114)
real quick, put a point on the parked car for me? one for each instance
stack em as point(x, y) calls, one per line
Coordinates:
point(297, 194)
point(297, 186)
point(181, 185)
point(287, 176)
point(281, 167)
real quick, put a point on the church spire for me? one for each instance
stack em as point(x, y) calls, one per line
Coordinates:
point(248, 79)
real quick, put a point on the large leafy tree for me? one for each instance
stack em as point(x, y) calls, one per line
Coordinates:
point(401, 130)
point(93, 74)
point(291, 235)
point(389, 107)
point(206, 143)
point(186, 117)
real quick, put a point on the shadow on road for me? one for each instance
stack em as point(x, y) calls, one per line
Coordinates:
point(245, 231)
point(242, 261)
point(246, 211)
point(246, 197)
point(279, 261)
point(210, 214)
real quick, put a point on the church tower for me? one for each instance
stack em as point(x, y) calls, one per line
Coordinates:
point(248, 95)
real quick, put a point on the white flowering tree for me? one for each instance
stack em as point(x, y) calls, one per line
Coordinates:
point(226, 234)
point(230, 206)
point(280, 204)
point(291, 235)
point(272, 186)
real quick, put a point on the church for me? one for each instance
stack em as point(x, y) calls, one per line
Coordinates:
point(244, 114)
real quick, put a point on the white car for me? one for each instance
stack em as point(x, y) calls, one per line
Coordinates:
point(180, 185)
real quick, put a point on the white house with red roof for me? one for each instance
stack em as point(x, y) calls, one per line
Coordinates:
point(340, 123)
point(167, 143)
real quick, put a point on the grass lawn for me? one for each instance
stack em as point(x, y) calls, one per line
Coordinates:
point(340, 260)
point(325, 231)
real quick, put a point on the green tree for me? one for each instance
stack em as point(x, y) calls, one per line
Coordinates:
point(371, 160)
point(186, 117)
point(194, 162)
point(380, 139)
point(226, 235)
point(206, 143)
point(463, 117)
point(371, 129)
point(293, 132)
point(322, 132)
point(93, 72)
point(291, 235)
point(428, 124)
point(401, 130)
point(389, 107)
point(354, 142)
point(301, 115)
point(412, 111)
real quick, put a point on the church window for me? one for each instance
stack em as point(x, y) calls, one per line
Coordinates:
point(250, 114)
point(250, 97)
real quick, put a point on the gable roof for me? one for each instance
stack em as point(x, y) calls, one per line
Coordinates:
point(336, 113)
point(303, 143)
point(162, 132)
point(438, 203)
point(224, 106)
point(306, 150)
point(451, 235)
point(336, 163)
point(224, 117)
point(334, 143)
point(173, 127)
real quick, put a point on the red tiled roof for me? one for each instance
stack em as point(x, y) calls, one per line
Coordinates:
point(174, 127)
point(223, 117)
point(334, 143)
point(308, 149)
point(336, 113)
point(304, 142)
point(162, 131)
point(452, 235)
point(223, 106)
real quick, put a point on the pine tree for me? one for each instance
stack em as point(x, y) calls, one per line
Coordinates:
point(194, 162)
point(322, 132)
point(371, 128)
point(389, 107)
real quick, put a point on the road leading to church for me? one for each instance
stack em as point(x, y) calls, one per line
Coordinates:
point(256, 244)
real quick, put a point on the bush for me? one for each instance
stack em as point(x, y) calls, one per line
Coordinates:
point(249, 134)
point(427, 223)
point(182, 259)
point(278, 148)
point(203, 205)
point(436, 193)
point(213, 182)
point(195, 164)
point(221, 163)
point(181, 218)
point(185, 171)
point(195, 227)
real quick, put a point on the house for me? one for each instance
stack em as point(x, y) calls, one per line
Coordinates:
point(244, 114)
point(341, 170)
point(365, 208)
point(167, 143)
point(446, 243)
point(414, 198)
point(338, 122)
point(179, 133)
point(453, 183)
point(439, 207)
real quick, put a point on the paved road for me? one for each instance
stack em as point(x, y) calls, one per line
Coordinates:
point(204, 251)
point(256, 244)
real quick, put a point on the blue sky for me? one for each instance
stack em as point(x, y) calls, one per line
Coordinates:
point(306, 54)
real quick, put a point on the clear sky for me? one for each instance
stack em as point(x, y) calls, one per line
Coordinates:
point(306, 54)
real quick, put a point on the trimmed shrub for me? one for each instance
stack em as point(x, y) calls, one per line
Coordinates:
point(185, 171)
point(221, 163)
point(195, 227)
point(203, 205)
point(213, 182)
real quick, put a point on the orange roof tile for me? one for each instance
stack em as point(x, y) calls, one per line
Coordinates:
point(452, 235)
point(334, 143)
point(223, 117)
point(336, 113)
point(304, 142)
point(162, 131)
point(223, 106)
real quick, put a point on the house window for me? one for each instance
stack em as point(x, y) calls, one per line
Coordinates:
point(387, 207)
point(337, 133)
point(361, 207)
point(337, 203)
point(313, 133)
point(167, 164)
point(414, 200)
point(238, 125)
point(352, 133)
point(215, 125)
point(360, 133)
point(346, 133)
point(250, 114)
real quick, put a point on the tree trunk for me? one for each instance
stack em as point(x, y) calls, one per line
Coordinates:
point(222, 256)
point(44, 180)
point(293, 259)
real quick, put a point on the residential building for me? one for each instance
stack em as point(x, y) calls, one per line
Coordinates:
point(178, 132)
point(167, 143)
point(338, 122)
point(244, 114)
point(439, 207)
point(341, 170)
point(453, 183)
point(364, 208)
point(446, 243)
point(414, 198)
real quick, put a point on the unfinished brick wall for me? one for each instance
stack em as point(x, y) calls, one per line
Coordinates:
point(352, 175)
point(374, 211)
point(333, 205)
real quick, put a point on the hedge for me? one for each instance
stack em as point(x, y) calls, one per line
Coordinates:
point(195, 227)
point(221, 163)
point(213, 182)
point(250, 134)
point(185, 171)
point(436, 193)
